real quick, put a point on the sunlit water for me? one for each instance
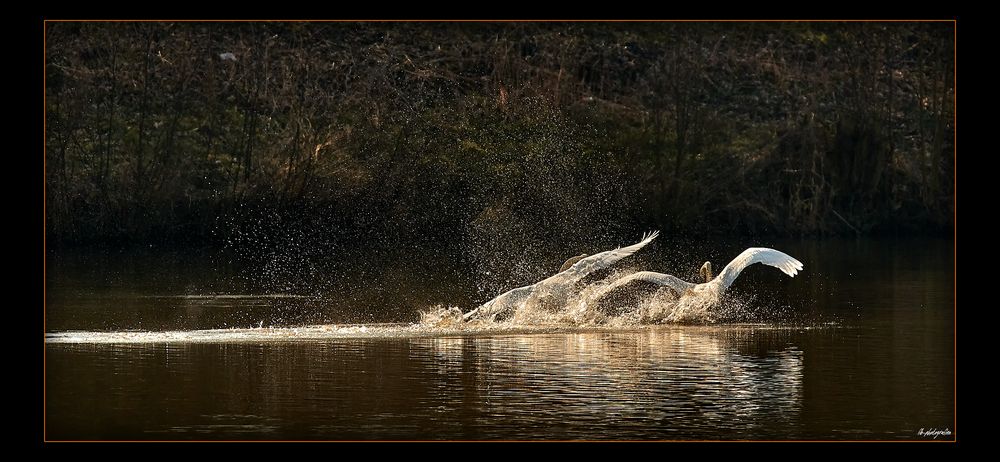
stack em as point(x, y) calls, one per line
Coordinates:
point(858, 346)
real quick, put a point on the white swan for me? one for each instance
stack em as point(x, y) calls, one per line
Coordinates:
point(554, 290)
point(694, 296)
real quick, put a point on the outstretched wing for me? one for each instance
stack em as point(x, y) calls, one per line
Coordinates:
point(665, 280)
point(509, 300)
point(601, 260)
point(770, 257)
point(501, 305)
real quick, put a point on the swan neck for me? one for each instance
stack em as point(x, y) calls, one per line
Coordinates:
point(706, 272)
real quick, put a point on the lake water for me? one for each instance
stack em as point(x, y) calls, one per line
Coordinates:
point(167, 346)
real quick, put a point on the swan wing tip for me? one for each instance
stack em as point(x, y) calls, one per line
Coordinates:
point(794, 266)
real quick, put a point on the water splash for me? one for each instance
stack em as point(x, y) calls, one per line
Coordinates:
point(630, 307)
point(441, 316)
point(589, 309)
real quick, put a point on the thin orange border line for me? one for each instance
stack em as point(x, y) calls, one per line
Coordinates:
point(501, 20)
point(502, 441)
point(954, 232)
point(45, 156)
point(954, 227)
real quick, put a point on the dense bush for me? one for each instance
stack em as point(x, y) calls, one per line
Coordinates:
point(491, 134)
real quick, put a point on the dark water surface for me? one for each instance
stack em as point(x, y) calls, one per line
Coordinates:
point(858, 346)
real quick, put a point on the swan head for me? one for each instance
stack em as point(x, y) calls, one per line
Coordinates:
point(706, 271)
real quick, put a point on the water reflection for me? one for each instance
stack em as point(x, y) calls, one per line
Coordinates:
point(663, 383)
point(884, 370)
point(659, 383)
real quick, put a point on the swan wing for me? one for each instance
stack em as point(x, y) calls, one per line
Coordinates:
point(601, 260)
point(770, 257)
point(510, 299)
point(502, 303)
point(676, 284)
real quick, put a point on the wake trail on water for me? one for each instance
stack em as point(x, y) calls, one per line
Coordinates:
point(589, 309)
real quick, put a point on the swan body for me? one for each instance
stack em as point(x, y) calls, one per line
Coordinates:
point(554, 290)
point(700, 296)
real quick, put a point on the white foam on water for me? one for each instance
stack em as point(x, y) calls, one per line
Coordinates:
point(357, 331)
point(228, 296)
point(582, 312)
point(303, 333)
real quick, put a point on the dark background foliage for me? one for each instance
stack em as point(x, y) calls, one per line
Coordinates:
point(502, 136)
